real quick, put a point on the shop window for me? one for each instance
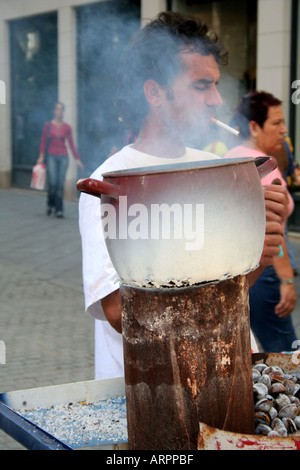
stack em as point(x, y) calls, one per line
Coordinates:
point(103, 30)
point(236, 24)
point(34, 83)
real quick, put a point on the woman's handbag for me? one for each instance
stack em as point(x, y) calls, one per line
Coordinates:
point(38, 179)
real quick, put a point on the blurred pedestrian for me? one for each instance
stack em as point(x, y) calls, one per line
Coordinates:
point(273, 297)
point(286, 165)
point(54, 153)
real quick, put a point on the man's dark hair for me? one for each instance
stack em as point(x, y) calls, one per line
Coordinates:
point(154, 54)
point(254, 107)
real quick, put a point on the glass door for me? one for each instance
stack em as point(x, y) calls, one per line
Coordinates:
point(236, 24)
point(34, 88)
point(103, 30)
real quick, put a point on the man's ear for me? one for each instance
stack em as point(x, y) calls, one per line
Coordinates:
point(154, 93)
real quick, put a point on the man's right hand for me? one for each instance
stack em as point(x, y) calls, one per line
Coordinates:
point(276, 201)
point(276, 204)
point(273, 239)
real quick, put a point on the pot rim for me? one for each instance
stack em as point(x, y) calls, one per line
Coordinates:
point(176, 167)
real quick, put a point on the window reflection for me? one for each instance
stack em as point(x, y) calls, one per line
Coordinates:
point(29, 42)
point(34, 88)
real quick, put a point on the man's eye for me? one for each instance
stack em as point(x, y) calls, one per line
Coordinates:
point(201, 87)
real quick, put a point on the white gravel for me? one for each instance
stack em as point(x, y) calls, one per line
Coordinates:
point(83, 424)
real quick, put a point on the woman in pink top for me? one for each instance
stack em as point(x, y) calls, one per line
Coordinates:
point(54, 152)
point(261, 123)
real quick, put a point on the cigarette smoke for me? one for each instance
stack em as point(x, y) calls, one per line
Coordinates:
point(104, 30)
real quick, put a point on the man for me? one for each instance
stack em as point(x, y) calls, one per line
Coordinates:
point(169, 80)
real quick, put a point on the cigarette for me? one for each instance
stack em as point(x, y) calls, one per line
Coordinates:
point(224, 126)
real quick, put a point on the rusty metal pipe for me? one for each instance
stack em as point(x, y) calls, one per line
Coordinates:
point(187, 360)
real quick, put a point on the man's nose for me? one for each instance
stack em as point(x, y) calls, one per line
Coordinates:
point(214, 98)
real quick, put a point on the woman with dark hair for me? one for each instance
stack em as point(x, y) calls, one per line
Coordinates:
point(54, 153)
point(260, 120)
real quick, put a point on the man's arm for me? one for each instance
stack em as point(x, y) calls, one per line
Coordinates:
point(276, 201)
point(276, 213)
point(276, 204)
point(111, 305)
point(273, 239)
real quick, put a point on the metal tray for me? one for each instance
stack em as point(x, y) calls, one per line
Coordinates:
point(34, 438)
point(13, 406)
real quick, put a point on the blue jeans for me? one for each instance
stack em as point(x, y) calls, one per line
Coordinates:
point(56, 174)
point(274, 334)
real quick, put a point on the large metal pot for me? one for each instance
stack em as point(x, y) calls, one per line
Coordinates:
point(183, 224)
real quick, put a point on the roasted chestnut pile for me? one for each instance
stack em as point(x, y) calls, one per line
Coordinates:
point(276, 401)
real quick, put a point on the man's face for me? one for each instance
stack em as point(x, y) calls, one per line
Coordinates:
point(193, 97)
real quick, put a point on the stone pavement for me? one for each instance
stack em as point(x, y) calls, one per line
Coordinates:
point(49, 340)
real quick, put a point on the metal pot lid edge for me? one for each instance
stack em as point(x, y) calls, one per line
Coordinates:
point(171, 167)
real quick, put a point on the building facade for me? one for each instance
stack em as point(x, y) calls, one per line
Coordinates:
point(67, 50)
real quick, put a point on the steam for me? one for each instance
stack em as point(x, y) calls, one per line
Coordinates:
point(104, 33)
point(104, 30)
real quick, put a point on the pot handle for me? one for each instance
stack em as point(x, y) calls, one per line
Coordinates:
point(265, 165)
point(97, 188)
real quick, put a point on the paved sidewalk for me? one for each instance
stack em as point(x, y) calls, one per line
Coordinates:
point(49, 339)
